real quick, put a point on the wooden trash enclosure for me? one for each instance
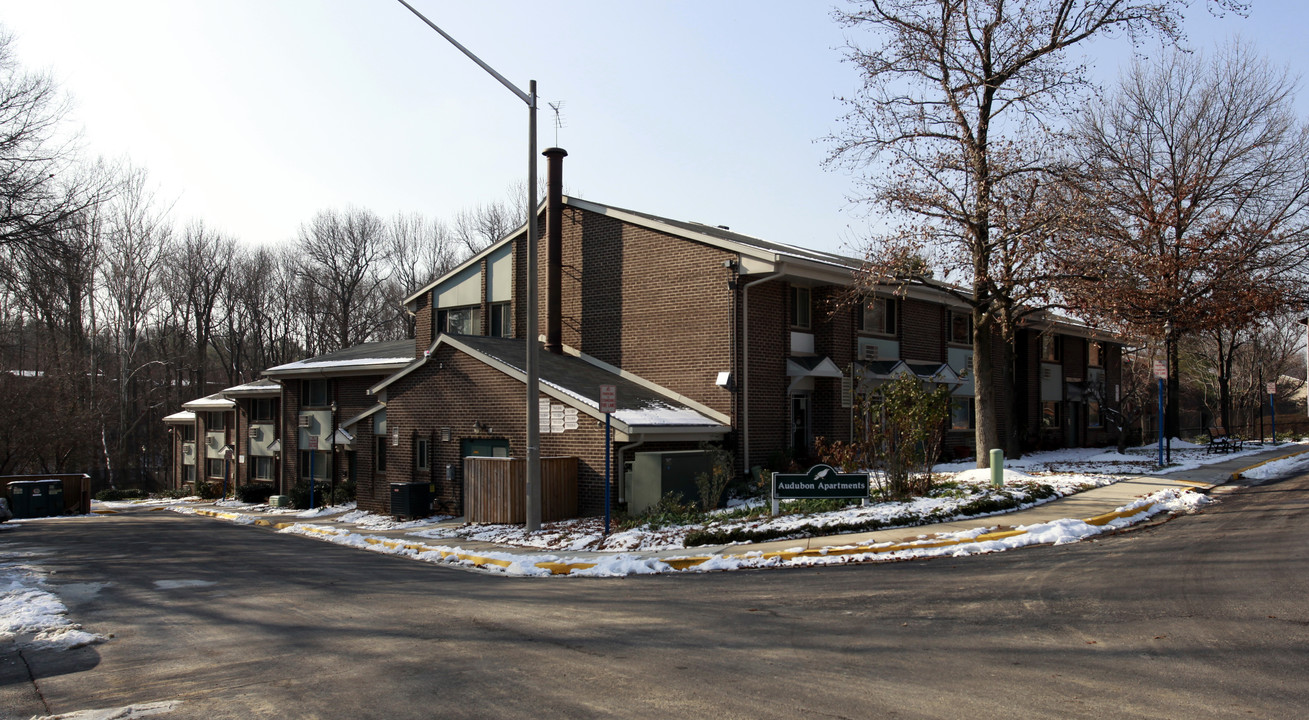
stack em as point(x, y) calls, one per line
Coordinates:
point(495, 489)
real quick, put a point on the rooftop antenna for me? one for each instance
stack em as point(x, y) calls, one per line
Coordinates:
point(559, 120)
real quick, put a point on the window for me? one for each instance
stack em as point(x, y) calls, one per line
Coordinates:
point(215, 421)
point(188, 473)
point(261, 468)
point(1051, 415)
point(961, 413)
point(379, 453)
point(961, 327)
point(800, 307)
point(322, 464)
point(462, 321)
point(1095, 354)
point(187, 432)
point(420, 454)
point(1050, 348)
point(1093, 416)
point(214, 468)
point(315, 393)
point(261, 410)
point(501, 322)
point(878, 316)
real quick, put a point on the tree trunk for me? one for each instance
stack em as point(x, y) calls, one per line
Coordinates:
point(987, 433)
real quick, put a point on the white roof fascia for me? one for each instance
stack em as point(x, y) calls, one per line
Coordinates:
point(698, 407)
point(365, 414)
point(209, 403)
point(184, 416)
point(412, 366)
point(343, 368)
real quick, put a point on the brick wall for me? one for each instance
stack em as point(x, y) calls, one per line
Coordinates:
point(423, 324)
point(769, 336)
point(921, 330)
point(455, 391)
point(351, 397)
point(652, 304)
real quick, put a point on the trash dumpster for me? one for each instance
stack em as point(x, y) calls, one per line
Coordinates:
point(411, 500)
point(36, 498)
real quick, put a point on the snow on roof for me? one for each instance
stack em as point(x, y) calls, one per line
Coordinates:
point(262, 386)
point(210, 402)
point(639, 405)
point(183, 416)
point(382, 355)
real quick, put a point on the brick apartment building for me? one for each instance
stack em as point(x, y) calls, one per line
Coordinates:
point(710, 335)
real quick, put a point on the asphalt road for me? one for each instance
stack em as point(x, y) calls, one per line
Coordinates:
point(1206, 616)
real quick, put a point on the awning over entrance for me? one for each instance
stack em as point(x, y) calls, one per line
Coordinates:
point(872, 373)
point(812, 366)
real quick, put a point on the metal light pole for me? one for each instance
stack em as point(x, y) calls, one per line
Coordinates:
point(533, 351)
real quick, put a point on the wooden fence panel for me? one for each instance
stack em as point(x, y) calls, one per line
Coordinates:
point(495, 489)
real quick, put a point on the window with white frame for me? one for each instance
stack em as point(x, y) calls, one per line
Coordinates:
point(215, 468)
point(261, 468)
point(801, 307)
point(462, 320)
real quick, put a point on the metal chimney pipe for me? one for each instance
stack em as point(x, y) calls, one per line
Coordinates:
point(554, 248)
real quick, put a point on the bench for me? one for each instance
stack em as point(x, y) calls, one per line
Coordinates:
point(1221, 441)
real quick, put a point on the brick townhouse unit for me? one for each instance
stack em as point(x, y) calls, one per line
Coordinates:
point(709, 335)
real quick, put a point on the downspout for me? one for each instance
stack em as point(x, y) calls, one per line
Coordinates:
point(745, 366)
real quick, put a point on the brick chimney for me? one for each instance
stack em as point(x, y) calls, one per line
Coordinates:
point(554, 243)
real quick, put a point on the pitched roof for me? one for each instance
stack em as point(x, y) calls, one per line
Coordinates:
point(642, 407)
point(183, 416)
point(258, 388)
point(210, 402)
point(372, 358)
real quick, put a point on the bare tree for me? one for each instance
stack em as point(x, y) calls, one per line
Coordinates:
point(137, 235)
point(1199, 170)
point(948, 96)
point(479, 227)
point(419, 251)
point(343, 266)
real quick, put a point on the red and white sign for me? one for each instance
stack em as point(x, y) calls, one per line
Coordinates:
point(1160, 370)
point(1272, 388)
point(608, 398)
point(313, 442)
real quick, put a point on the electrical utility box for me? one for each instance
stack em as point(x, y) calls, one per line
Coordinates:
point(655, 474)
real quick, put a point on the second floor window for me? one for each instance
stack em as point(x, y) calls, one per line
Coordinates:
point(214, 421)
point(315, 394)
point(800, 307)
point(187, 432)
point(462, 320)
point(1095, 354)
point(1050, 347)
point(261, 410)
point(961, 327)
point(878, 316)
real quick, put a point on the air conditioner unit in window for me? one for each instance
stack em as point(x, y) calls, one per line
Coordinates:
point(254, 433)
point(869, 352)
point(304, 421)
point(1045, 373)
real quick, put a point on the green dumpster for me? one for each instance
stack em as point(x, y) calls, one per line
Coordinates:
point(36, 498)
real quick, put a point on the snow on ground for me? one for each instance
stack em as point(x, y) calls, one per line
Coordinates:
point(1142, 460)
point(32, 615)
point(126, 712)
point(963, 489)
point(969, 542)
point(1284, 467)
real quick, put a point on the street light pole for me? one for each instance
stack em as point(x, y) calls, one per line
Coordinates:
point(532, 369)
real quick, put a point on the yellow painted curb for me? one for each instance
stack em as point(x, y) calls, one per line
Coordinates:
point(1237, 475)
point(104, 512)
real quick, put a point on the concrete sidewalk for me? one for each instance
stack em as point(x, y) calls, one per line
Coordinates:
point(1096, 506)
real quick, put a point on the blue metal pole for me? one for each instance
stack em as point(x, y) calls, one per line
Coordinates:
point(1272, 409)
point(1161, 422)
point(311, 479)
point(608, 446)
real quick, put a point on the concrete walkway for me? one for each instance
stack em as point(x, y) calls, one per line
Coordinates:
point(1095, 506)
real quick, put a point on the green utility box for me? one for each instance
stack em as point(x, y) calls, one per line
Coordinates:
point(36, 498)
point(279, 500)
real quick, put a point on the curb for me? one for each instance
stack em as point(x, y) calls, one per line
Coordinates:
point(1237, 475)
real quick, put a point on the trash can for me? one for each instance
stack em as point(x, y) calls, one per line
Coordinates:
point(36, 498)
point(410, 501)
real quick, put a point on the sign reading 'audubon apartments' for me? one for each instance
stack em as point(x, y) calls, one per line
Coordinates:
point(822, 481)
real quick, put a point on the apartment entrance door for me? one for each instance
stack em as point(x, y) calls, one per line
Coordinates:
point(801, 426)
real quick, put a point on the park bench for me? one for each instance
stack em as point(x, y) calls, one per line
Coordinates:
point(1221, 441)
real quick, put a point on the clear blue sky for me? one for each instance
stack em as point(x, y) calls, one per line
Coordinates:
point(254, 114)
